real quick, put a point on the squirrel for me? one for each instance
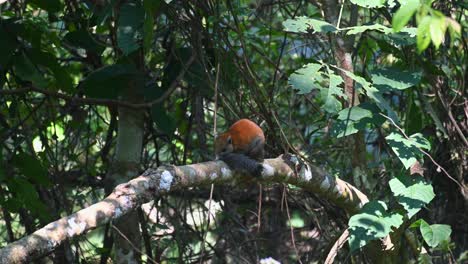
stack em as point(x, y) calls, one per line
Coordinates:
point(242, 147)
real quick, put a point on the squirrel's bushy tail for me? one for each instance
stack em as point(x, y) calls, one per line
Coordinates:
point(242, 163)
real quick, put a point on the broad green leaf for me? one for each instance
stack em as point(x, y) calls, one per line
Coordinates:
point(373, 222)
point(303, 24)
point(360, 29)
point(392, 78)
point(423, 38)
point(404, 14)
point(151, 7)
point(109, 81)
point(305, 79)
point(437, 30)
point(27, 196)
point(332, 105)
point(412, 193)
point(356, 118)
point(358, 79)
point(27, 71)
point(85, 40)
point(32, 168)
point(51, 6)
point(407, 149)
point(129, 31)
point(63, 80)
point(163, 119)
point(8, 46)
point(378, 98)
point(434, 234)
point(369, 3)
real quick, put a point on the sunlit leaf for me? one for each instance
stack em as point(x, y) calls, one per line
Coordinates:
point(369, 3)
point(373, 222)
point(392, 78)
point(304, 24)
point(404, 14)
point(412, 193)
point(407, 150)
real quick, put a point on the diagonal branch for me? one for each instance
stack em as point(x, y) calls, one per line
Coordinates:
point(128, 196)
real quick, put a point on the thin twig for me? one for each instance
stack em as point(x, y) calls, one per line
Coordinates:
point(133, 246)
point(424, 152)
point(291, 227)
point(106, 102)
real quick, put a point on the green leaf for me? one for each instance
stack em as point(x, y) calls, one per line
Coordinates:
point(360, 29)
point(163, 119)
point(356, 118)
point(404, 14)
point(27, 197)
point(2, 171)
point(437, 30)
point(332, 105)
point(63, 80)
point(129, 31)
point(51, 6)
point(302, 24)
point(27, 71)
point(434, 234)
point(378, 98)
point(423, 38)
point(369, 3)
point(109, 81)
point(85, 40)
point(412, 193)
point(305, 79)
point(32, 168)
point(8, 46)
point(151, 7)
point(392, 78)
point(407, 149)
point(373, 222)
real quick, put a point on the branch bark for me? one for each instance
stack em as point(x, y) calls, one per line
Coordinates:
point(128, 196)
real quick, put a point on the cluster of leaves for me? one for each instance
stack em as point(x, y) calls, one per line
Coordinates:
point(412, 193)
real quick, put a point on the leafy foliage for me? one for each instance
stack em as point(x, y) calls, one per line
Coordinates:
point(412, 193)
point(371, 223)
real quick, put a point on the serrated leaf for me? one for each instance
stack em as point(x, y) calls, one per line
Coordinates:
point(303, 24)
point(378, 98)
point(356, 118)
point(332, 105)
point(305, 79)
point(412, 193)
point(373, 222)
point(369, 3)
point(404, 14)
point(434, 234)
point(392, 78)
point(360, 29)
point(129, 30)
point(407, 149)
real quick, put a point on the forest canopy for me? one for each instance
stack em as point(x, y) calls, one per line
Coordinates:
point(109, 111)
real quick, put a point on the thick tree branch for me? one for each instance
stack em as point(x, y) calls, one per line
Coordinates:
point(154, 182)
